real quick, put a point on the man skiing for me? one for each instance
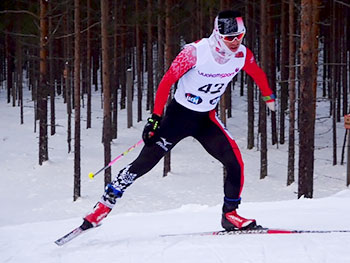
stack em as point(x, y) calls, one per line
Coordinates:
point(203, 69)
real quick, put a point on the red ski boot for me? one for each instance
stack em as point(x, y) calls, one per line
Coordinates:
point(94, 218)
point(101, 210)
point(232, 221)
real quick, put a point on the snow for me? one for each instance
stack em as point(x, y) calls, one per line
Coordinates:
point(37, 201)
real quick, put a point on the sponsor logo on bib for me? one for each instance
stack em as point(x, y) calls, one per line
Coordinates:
point(217, 75)
point(193, 98)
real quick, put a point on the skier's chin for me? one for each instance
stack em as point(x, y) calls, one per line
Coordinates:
point(234, 49)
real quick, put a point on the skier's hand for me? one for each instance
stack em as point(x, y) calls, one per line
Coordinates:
point(270, 102)
point(150, 132)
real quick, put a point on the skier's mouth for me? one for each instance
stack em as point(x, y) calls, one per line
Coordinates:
point(234, 49)
point(233, 46)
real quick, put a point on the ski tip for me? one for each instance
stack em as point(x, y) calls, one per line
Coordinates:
point(58, 243)
point(68, 237)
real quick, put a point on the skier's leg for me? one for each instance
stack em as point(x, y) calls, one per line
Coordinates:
point(171, 132)
point(147, 159)
point(219, 143)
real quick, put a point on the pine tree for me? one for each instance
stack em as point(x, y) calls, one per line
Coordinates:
point(77, 173)
point(106, 90)
point(42, 90)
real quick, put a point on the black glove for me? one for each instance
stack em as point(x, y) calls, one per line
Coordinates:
point(150, 132)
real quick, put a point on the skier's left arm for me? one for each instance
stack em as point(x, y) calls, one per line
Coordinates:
point(259, 77)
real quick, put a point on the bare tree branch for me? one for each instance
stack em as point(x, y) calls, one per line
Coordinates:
point(19, 34)
point(82, 31)
point(57, 26)
point(342, 3)
point(20, 12)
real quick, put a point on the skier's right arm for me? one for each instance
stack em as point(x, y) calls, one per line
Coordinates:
point(184, 61)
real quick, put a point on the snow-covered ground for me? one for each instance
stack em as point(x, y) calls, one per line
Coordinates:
point(37, 205)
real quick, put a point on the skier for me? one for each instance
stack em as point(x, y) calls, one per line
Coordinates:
point(203, 69)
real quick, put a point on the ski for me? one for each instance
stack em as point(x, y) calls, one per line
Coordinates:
point(68, 237)
point(254, 231)
point(74, 233)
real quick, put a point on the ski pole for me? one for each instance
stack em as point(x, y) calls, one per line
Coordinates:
point(92, 175)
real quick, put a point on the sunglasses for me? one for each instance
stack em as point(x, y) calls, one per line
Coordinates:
point(231, 38)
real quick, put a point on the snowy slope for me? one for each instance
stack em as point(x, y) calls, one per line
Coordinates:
point(134, 237)
point(37, 205)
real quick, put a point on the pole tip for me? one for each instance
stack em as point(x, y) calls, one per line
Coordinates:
point(91, 175)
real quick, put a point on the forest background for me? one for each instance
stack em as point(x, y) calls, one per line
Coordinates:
point(122, 48)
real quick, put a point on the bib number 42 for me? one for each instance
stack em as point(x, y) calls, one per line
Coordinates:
point(212, 88)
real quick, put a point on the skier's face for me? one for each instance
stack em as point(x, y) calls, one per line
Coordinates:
point(234, 44)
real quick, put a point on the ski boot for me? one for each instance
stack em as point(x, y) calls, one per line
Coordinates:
point(102, 208)
point(95, 217)
point(231, 221)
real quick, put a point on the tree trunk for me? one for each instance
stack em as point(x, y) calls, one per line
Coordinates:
point(307, 101)
point(284, 69)
point(250, 85)
point(194, 31)
point(2, 60)
point(42, 91)
point(69, 106)
point(129, 88)
point(344, 61)
point(95, 63)
point(19, 73)
point(337, 52)
point(160, 22)
point(222, 103)
point(13, 76)
point(67, 77)
point(10, 61)
point(88, 66)
point(139, 62)
point(106, 90)
point(123, 56)
point(116, 71)
point(271, 64)
point(262, 108)
point(168, 58)
point(51, 77)
point(335, 92)
point(150, 84)
point(77, 174)
point(291, 141)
